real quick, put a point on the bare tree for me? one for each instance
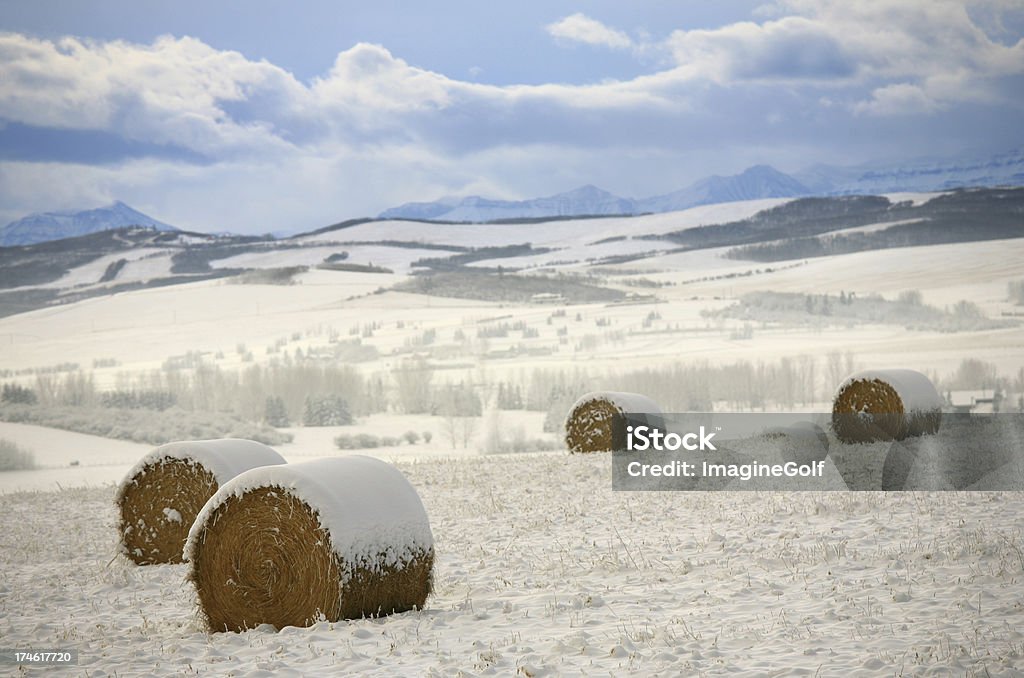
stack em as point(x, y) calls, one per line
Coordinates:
point(413, 381)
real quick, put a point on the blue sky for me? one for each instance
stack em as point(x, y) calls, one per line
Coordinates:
point(273, 116)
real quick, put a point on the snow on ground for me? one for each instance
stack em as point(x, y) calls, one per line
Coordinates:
point(150, 325)
point(398, 259)
point(580, 252)
point(96, 460)
point(690, 265)
point(142, 329)
point(91, 272)
point(944, 274)
point(148, 268)
point(65, 459)
point(543, 570)
point(563, 233)
point(870, 228)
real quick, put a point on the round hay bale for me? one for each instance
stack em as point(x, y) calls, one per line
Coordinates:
point(337, 538)
point(597, 421)
point(161, 495)
point(878, 405)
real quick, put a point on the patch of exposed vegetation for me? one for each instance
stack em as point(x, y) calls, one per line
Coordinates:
point(458, 261)
point(13, 457)
point(113, 270)
point(197, 258)
point(487, 286)
point(352, 268)
point(963, 216)
point(270, 276)
point(142, 425)
point(844, 309)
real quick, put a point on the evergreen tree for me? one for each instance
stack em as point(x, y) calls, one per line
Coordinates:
point(275, 413)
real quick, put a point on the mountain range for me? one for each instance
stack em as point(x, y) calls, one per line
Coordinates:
point(760, 181)
point(47, 226)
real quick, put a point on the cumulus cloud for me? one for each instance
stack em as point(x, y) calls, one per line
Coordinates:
point(168, 92)
point(793, 48)
point(899, 99)
point(923, 55)
point(581, 28)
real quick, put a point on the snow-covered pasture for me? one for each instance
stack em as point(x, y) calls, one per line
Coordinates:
point(543, 570)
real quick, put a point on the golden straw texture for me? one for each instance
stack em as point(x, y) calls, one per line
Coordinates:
point(264, 558)
point(157, 508)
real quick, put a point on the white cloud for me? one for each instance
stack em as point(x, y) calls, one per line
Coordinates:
point(916, 57)
point(899, 99)
point(374, 130)
point(792, 48)
point(581, 28)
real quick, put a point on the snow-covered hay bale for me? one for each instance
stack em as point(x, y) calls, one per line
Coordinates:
point(163, 492)
point(597, 422)
point(885, 405)
point(337, 538)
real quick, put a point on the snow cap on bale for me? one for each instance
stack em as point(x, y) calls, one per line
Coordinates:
point(885, 405)
point(161, 495)
point(597, 422)
point(337, 538)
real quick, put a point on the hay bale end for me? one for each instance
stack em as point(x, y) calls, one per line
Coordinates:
point(894, 404)
point(162, 494)
point(337, 538)
point(597, 421)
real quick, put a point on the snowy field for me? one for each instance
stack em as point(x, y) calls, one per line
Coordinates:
point(543, 570)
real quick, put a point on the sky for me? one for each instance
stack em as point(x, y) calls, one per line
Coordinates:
point(271, 116)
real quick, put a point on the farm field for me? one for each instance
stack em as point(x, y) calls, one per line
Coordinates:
point(542, 569)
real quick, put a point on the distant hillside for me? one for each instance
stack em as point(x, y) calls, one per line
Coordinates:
point(1004, 169)
point(47, 226)
point(770, 230)
point(586, 200)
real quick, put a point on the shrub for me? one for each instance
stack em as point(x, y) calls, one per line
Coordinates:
point(363, 441)
point(15, 458)
point(459, 401)
point(143, 426)
point(17, 394)
point(326, 410)
point(411, 437)
point(275, 413)
point(138, 400)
